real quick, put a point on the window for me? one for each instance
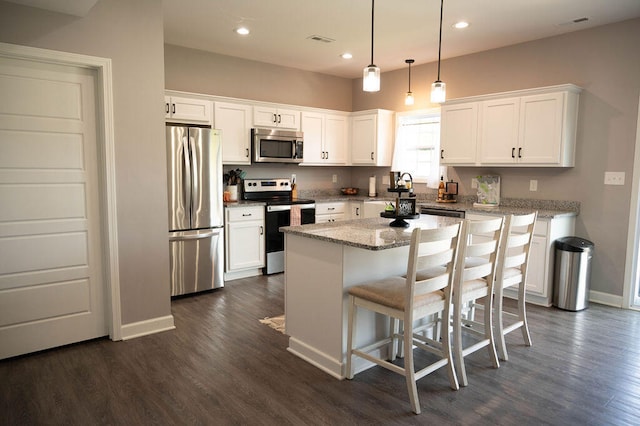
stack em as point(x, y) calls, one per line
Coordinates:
point(417, 146)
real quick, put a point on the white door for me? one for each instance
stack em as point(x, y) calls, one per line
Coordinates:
point(51, 278)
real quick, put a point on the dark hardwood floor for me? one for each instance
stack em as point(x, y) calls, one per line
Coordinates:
point(222, 367)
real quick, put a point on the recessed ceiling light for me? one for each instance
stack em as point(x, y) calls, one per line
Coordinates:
point(242, 30)
point(346, 55)
point(461, 24)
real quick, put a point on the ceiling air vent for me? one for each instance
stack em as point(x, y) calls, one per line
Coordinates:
point(574, 21)
point(320, 38)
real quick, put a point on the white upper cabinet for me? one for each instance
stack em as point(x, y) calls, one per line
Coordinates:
point(545, 136)
point(459, 133)
point(325, 138)
point(372, 138)
point(234, 121)
point(535, 128)
point(187, 110)
point(271, 116)
point(499, 131)
point(527, 130)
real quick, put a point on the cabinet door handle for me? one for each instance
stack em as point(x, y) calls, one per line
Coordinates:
point(357, 211)
point(442, 154)
point(513, 153)
point(279, 119)
point(166, 105)
point(519, 152)
point(372, 155)
point(261, 230)
point(246, 214)
point(173, 106)
point(331, 208)
point(327, 155)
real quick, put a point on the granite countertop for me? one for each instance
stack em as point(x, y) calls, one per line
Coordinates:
point(369, 234)
point(243, 203)
point(547, 209)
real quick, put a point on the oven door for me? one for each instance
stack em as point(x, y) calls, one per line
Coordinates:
point(275, 217)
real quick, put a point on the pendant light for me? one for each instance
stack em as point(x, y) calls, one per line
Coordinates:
point(408, 100)
point(439, 88)
point(371, 74)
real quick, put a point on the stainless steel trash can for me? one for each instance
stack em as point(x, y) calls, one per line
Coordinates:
point(572, 273)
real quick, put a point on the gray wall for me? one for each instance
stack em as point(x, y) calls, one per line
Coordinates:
point(605, 61)
point(130, 33)
point(197, 71)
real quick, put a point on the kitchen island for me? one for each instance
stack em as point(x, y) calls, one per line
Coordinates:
point(321, 262)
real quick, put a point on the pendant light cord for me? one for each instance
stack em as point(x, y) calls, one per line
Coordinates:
point(372, 9)
point(439, 37)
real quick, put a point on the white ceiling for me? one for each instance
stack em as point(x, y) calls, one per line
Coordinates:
point(280, 29)
point(403, 28)
point(70, 7)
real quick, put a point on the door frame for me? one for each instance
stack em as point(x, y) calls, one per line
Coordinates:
point(630, 297)
point(106, 162)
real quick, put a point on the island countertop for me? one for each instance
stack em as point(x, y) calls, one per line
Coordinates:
point(369, 234)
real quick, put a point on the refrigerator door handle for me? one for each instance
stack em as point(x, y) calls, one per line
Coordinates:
point(200, 235)
point(187, 175)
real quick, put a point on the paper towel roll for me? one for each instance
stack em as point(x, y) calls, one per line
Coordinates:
point(372, 186)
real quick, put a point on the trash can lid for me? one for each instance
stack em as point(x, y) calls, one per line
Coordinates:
point(575, 244)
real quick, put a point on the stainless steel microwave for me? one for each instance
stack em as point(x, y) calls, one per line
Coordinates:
point(276, 146)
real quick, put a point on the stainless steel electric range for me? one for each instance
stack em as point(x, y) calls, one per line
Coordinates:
point(279, 211)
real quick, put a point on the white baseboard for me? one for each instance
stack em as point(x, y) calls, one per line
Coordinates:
point(146, 327)
point(245, 273)
point(605, 299)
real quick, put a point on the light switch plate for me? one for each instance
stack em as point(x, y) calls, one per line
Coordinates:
point(334, 179)
point(614, 178)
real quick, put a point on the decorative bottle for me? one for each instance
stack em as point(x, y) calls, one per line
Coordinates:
point(441, 189)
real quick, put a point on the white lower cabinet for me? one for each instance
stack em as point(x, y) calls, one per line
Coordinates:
point(540, 276)
point(357, 209)
point(244, 243)
point(373, 208)
point(330, 212)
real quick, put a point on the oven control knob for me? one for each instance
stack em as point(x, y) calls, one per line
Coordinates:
point(285, 183)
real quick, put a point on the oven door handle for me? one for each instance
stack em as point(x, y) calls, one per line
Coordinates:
point(306, 206)
point(278, 208)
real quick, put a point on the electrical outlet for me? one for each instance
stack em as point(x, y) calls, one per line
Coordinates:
point(334, 179)
point(614, 178)
point(474, 183)
point(385, 180)
point(533, 185)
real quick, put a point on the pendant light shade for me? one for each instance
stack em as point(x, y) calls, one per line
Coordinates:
point(371, 73)
point(438, 92)
point(371, 79)
point(438, 88)
point(408, 100)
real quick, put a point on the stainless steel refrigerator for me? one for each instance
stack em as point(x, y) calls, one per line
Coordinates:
point(196, 225)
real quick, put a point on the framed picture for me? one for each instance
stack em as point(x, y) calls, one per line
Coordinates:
point(406, 207)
